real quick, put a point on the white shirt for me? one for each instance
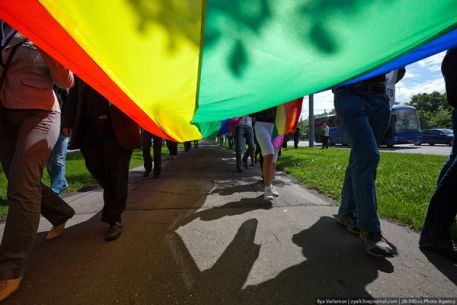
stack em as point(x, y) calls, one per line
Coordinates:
point(391, 78)
point(326, 131)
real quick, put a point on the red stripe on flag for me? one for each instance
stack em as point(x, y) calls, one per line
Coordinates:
point(31, 19)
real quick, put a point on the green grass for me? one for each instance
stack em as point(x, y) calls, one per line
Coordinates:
point(404, 186)
point(77, 175)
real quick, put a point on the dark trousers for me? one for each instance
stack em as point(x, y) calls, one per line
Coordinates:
point(172, 147)
point(296, 140)
point(25, 147)
point(324, 142)
point(108, 163)
point(146, 138)
point(449, 70)
point(187, 146)
point(443, 207)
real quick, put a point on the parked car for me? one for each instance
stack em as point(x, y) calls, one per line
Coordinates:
point(437, 136)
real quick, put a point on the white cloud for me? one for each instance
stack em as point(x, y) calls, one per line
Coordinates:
point(322, 101)
point(404, 93)
point(411, 74)
point(432, 63)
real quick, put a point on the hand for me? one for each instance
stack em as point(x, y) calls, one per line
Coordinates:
point(67, 132)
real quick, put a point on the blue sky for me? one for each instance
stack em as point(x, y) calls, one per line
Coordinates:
point(421, 77)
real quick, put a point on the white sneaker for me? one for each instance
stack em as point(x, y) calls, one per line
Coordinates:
point(274, 191)
point(270, 191)
point(268, 194)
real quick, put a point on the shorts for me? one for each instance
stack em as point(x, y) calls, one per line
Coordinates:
point(263, 132)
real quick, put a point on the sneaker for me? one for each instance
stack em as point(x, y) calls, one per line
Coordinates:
point(349, 222)
point(268, 194)
point(376, 244)
point(274, 191)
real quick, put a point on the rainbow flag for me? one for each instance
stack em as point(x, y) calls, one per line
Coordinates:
point(179, 67)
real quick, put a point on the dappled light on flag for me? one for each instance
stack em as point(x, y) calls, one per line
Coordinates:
point(180, 67)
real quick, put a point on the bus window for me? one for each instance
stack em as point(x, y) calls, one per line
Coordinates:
point(406, 120)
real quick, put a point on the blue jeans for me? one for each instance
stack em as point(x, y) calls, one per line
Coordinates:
point(365, 117)
point(240, 146)
point(56, 165)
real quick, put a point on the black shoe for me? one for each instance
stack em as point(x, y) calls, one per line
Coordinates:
point(245, 162)
point(446, 248)
point(238, 169)
point(114, 231)
point(156, 173)
point(146, 173)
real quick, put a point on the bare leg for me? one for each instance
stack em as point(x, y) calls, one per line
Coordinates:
point(268, 169)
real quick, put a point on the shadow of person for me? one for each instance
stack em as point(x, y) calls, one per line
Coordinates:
point(149, 264)
point(335, 266)
point(237, 188)
point(222, 283)
point(234, 208)
point(444, 265)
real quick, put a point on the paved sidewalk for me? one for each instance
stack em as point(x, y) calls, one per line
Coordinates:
point(202, 234)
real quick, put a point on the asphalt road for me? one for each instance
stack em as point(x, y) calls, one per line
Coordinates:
point(442, 150)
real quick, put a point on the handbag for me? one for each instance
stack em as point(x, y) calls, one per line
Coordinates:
point(3, 76)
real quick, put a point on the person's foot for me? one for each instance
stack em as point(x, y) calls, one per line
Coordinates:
point(56, 231)
point(268, 193)
point(349, 222)
point(114, 231)
point(8, 287)
point(446, 248)
point(376, 244)
point(274, 191)
point(156, 173)
point(268, 196)
point(238, 169)
point(146, 173)
point(245, 162)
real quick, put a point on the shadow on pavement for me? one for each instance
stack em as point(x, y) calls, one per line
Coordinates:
point(333, 268)
point(235, 208)
point(444, 265)
point(235, 187)
point(151, 263)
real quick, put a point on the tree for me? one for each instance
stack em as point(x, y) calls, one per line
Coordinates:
point(304, 128)
point(433, 110)
point(430, 102)
point(441, 119)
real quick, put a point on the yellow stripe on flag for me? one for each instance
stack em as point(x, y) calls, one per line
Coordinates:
point(150, 49)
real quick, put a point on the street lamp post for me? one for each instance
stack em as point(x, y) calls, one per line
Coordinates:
point(311, 120)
